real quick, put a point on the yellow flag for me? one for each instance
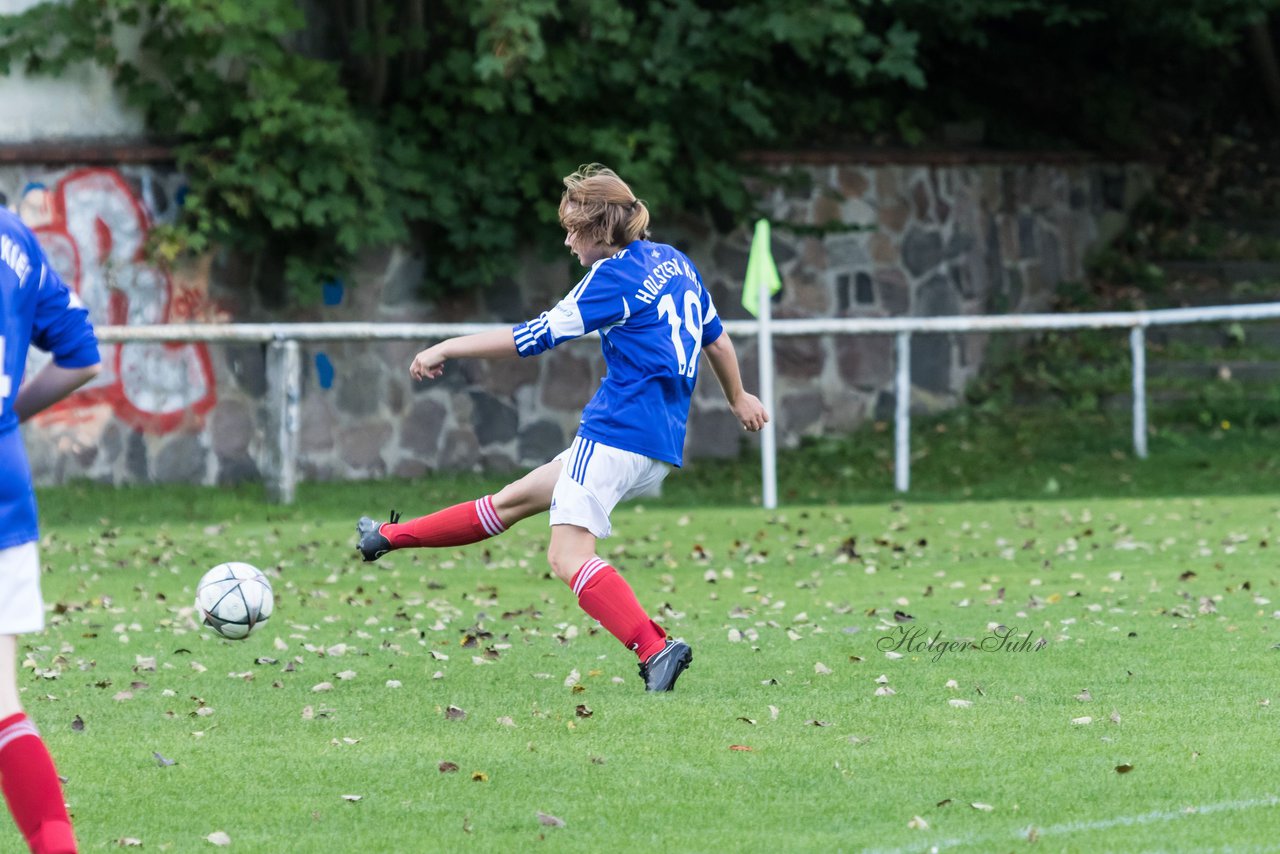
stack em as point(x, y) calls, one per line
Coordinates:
point(761, 271)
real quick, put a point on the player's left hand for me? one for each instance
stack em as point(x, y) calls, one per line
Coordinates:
point(750, 412)
point(428, 364)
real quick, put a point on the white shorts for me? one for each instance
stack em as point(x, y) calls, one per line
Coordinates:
point(595, 478)
point(21, 606)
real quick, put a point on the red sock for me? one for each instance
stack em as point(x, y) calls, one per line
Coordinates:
point(608, 597)
point(468, 522)
point(31, 787)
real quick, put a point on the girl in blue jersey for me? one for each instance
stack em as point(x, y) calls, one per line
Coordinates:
point(655, 318)
point(35, 308)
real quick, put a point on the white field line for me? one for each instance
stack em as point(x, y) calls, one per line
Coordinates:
point(1073, 827)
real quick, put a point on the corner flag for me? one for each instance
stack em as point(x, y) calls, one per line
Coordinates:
point(761, 271)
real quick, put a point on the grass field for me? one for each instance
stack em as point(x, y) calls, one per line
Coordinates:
point(1122, 695)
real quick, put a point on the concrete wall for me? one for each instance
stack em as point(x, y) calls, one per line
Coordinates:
point(874, 238)
point(79, 103)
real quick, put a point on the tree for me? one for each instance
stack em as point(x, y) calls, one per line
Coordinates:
point(310, 132)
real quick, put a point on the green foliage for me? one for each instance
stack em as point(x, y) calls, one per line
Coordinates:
point(278, 160)
point(310, 136)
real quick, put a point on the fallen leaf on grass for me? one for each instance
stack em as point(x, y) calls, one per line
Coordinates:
point(479, 777)
point(550, 820)
point(917, 823)
point(129, 842)
point(218, 838)
point(747, 720)
point(353, 798)
point(453, 713)
point(506, 720)
point(960, 704)
point(1124, 769)
point(346, 674)
point(741, 747)
point(322, 687)
point(812, 722)
point(448, 767)
point(1084, 696)
point(583, 711)
point(821, 669)
point(77, 725)
point(164, 762)
point(982, 807)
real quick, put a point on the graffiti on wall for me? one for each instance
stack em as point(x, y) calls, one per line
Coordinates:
point(93, 228)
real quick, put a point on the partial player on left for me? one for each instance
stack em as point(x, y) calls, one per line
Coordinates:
point(36, 309)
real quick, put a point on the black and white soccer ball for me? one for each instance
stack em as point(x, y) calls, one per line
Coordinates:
point(233, 599)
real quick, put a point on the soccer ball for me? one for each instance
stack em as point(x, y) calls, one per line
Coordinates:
point(234, 599)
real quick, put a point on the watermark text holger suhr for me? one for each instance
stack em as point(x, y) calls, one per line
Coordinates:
point(917, 640)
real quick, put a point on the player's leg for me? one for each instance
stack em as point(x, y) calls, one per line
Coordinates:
point(461, 524)
point(27, 775)
point(594, 478)
point(601, 591)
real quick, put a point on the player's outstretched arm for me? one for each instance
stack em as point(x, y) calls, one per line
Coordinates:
point(494, 344)
point(724, 362)
point(49, 386)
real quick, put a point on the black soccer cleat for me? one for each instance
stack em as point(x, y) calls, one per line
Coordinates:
point(664, 667)
point(372, 545)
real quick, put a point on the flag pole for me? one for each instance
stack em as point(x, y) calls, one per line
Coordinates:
point(768, 440)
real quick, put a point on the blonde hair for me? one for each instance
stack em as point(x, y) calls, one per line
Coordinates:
point(600, 205)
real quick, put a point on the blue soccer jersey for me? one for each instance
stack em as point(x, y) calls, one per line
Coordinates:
point(35, 308)
point(654, 317)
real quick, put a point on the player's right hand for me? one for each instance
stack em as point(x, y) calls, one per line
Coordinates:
point(750, 412)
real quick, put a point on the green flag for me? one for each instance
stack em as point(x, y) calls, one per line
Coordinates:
point(761, 271)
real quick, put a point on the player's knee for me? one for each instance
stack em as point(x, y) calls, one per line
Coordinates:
point(563, 564)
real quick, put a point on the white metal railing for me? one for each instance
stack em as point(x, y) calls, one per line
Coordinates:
point(284, 365)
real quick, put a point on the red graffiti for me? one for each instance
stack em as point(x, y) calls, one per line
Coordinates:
point(95, 236)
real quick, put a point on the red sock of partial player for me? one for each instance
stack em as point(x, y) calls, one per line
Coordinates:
point(468, 522)
point(608, 597)
point(31, 787)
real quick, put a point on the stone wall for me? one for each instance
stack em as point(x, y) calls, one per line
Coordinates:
point(866, 238)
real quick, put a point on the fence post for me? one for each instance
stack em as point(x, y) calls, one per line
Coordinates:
point(284, 391)
point(902, 413)
point(1138, 349)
